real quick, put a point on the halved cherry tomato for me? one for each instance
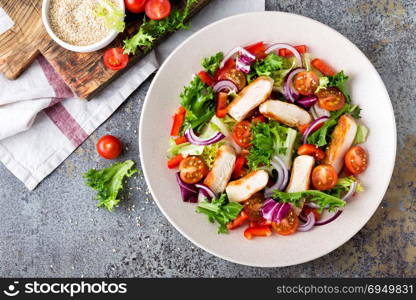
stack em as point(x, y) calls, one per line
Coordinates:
point(253, 207)
point(287, 53)
point(115, 59)
point(242, 134)
point(324, 177)
point(307, 210)
point(206, 78)
point(135, 6)
point(157, 9)
point(251, 232)
point(258, 119)
point(192, 169)
point(288, 225)
point(237, 222)
point(306, 82)
point(356, 160)
point(235, 76)
point(109, 147)
point(257, 49)
point(222, 104)
point(239, 171)
point(175, 161)
point(180, 140)
point(331, 98)
point(178, 119)
point(312, 150)
point(322, 67)
point(228, 65)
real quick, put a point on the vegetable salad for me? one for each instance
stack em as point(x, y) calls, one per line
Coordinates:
point(267, 137)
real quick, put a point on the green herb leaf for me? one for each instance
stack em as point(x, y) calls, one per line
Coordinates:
point(320, 198)
point(220, 210)
point(211, 64)
point(108, 182)
point(339, 80)
point(344, 185)
point(198, 100)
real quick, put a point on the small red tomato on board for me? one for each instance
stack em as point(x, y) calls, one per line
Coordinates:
point(242, 134)
point(157, 9)
point(324, 177)
point(135, 6)
point(288, 225)
point(331, 98)
point(356, 160)
point(306, 82)
point(311, 150)
point(192, 169)
point(115, 59)
point(109, 147)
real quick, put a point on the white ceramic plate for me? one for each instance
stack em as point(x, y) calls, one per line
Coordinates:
point(367, 90)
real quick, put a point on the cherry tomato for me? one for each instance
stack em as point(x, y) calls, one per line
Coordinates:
point(307, 210)
point(331, 98)
point(306, 82)
point(288, 225)
point(356, 160)
point(242, 134)
point(157, 9)
point(192, 169)
point(228, 65)
point(109, 147)
point(235, 76)
point(135, 6)
point(312, 150)
point(252, 207)
point(115, 59)
point(324, 177)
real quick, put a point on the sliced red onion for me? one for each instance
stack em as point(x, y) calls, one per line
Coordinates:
point(309, 223)
point(195, 140)
point(329, 219)
point(242, 66)
point(188, 191)
point(312, 205)
point(230, 54)
point(206, 190)
point(275, 211)
point(351, 191)
point(275, 47)
point(288, 91)
point(282, 176)
point(307, 101)
point(311, 127)
point(320, 112)
point(246, 57)
point(222, 85)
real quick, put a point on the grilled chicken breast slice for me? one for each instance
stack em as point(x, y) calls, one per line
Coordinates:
point(245, 187)
point(222, 169)
point(250, 97)
point(286, 113)
point(300, 177)
point(341, 140)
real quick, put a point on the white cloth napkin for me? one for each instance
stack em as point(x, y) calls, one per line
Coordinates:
point(42, 123)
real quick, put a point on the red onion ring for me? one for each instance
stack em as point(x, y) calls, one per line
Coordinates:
point(351, 191)
point(292, 49)
point(242, 66)
point(307, 102)
point(288, 91)
point(319, 111)
point(283, 176)
point(309, 130)
point(195, 140)
point(205, 190)
point(229, 54)
point(329, 219)
point(309, 223)
point(247, 57)
point(224, 85)
point(188, 191)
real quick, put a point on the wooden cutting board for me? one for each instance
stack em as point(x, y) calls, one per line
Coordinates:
point(84, 73)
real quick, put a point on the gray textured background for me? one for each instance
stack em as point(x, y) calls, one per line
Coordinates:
point(56, 231)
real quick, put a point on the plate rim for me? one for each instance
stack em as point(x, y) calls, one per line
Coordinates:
point(230, 259)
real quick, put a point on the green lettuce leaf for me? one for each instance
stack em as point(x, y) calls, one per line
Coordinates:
point(108, 182)
point(211, 64)
point(361, 135)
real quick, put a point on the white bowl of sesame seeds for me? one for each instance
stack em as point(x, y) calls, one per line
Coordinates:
point(73, 25)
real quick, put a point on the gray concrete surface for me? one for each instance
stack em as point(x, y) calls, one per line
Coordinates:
point(56, 231)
